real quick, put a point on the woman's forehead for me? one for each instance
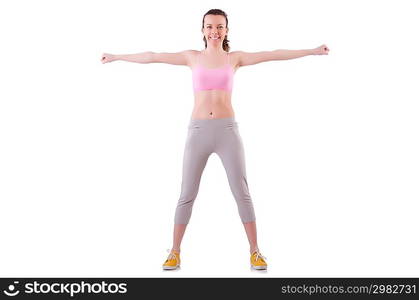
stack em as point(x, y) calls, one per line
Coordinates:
point(214, 20)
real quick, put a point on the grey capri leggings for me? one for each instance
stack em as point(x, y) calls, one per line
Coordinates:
point(221, 136)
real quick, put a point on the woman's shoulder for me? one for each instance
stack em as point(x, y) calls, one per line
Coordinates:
point(192, 52)
point(191, 56)
point(235, 58)
point(235, 55)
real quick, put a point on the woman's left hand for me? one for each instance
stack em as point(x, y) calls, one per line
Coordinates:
point(322, 50)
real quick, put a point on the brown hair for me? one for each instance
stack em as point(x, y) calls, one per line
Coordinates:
point(226, 46)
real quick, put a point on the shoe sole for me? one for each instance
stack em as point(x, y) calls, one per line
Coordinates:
point(259, 267)
point(170, 268)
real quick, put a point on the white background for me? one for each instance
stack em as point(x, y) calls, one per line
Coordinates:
point(91, 153)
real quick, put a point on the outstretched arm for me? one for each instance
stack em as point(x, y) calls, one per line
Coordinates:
point(246, 58)
point(178, 58)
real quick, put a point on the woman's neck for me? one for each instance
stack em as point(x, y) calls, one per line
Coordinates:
point(214, 49)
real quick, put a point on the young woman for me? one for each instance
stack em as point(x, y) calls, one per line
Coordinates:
point(212, 127)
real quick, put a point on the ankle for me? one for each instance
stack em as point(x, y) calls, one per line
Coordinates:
point(253, 249)
point(174, 249)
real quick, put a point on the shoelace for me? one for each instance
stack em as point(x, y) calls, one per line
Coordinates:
point(171, 255)
point(259, 255)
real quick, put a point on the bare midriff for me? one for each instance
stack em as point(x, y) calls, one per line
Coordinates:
point(212, 104)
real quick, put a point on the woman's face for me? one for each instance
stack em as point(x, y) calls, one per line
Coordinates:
point(214, 29)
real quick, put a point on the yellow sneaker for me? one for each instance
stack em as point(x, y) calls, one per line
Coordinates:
point(173, 260)
point(257, 261)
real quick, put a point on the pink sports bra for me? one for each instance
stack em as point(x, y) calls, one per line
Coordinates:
point(213, 79)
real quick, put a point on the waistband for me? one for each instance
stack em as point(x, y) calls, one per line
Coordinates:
point(212, 122)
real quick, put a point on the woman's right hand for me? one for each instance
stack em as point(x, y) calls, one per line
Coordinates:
point(106, 57)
